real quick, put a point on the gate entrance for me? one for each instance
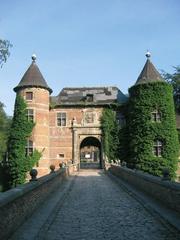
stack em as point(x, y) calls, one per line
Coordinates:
point(90, 153)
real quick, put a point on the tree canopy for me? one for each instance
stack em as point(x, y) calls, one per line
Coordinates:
point(5, 45)
point(174, 80)
point(4, 129)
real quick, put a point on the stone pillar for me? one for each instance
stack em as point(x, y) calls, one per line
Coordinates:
point(75, 143)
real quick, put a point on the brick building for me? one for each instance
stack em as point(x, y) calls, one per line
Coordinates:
point(68, 125)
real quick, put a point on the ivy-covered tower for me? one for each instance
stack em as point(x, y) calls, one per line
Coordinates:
point(36, 92)
point(153, 139)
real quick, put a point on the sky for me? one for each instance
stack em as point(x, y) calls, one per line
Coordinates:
point(85, 43)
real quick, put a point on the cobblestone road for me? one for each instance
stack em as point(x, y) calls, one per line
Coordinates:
point(96, 208)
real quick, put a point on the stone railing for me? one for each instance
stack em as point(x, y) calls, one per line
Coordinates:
point(166, 192)
point(17, 204)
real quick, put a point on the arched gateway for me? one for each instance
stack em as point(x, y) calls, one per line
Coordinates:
point(90, 153)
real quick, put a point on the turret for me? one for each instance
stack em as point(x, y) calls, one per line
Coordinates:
point(153, 140)
point(35, 91)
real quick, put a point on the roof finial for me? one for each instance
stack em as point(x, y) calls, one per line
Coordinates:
point(148, 54)
point(34, 57)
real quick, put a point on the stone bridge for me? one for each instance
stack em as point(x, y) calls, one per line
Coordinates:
point(92, 205)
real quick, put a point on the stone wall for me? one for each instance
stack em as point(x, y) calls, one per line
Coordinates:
point(17, 204)
point(166, 192)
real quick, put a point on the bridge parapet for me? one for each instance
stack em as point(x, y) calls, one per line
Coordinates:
point(167, 192)
point(17, 204)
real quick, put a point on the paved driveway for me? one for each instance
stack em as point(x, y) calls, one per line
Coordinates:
point(91, 206)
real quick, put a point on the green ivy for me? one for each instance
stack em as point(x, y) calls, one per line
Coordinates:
point(114, 135)
point(18, 163)
point(142, 131)
point(110, 134)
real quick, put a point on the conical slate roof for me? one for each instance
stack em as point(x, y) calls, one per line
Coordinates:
point(33, 78)
point(149, 74)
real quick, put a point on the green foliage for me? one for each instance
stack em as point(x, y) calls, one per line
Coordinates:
point(144, 99)
point(18, 164)
point(4, 130)
point(5, 45)
point(110, 131)
point(5, 122)
point(32, 160)
point(174, 80)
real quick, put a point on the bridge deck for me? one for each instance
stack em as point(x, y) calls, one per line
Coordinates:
point(91, 206)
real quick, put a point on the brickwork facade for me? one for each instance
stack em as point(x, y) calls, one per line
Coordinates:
point(64, 122)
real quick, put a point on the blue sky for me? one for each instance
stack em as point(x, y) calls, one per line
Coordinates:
point(87, 42)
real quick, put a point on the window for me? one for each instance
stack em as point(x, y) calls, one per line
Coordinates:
point(61, 119)
point(61, 155)
point(29, 148)
point(156, 116)
point(29, 96)
point(157, 148)
point(30, 115)
point(121, 120)
point(89, 97)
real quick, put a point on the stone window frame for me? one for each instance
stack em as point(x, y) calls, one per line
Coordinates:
point(156, 116)
point(30, 114)
point(61, 121)
point(158, 148)
point(29, 147)
point(29, 95)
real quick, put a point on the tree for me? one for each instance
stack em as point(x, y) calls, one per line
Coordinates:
point(18, 163)
point(5, 122)
point(174, 80)
point(5, 45)
point(4, 129)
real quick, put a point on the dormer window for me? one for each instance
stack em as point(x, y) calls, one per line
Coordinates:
point(89, 97)
point(29, 96)
point(156, 116)
point(157, 148)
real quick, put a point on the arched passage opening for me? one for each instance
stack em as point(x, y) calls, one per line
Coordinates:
point(90, 153)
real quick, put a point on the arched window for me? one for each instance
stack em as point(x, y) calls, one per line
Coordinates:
point(29, 148)
point(157, 148)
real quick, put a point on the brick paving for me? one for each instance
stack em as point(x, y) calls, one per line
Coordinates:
point(93, 207)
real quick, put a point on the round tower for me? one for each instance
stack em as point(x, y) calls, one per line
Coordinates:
point(36, 93)
point(153, 140)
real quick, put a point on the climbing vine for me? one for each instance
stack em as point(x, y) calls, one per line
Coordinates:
point(113, 135)
point(18, 164)
point(143, 132)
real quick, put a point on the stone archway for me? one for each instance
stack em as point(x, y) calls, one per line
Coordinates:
point(90, 153)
